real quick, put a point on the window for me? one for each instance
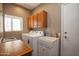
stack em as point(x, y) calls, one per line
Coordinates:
point(13, 23)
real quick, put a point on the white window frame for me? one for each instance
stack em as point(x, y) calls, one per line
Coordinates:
point(15, 17)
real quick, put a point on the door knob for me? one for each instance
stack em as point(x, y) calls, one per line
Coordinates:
point(65, 37)
point(65, 32)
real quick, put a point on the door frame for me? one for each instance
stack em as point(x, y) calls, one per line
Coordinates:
point(62, 30)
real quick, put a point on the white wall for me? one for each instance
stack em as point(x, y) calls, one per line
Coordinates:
point(53, 16)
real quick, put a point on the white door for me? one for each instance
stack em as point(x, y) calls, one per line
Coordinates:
point(70, 29)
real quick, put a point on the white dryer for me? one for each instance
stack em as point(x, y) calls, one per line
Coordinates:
point(48, 46)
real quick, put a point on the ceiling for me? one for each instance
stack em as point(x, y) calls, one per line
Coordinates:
point(28, 5)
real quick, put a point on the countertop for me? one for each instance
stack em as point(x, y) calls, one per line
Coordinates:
point(14, 48)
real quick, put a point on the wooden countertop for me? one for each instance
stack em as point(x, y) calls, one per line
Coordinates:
point(14, 48)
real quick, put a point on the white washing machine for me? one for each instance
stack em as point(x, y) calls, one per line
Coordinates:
point(32, 39)
point(48, 46)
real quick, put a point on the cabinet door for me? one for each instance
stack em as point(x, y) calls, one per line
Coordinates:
point(30, 22)
point(35, 21)
point(42, 19)
point(38, 21)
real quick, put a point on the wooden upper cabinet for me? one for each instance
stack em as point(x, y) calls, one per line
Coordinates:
point(38, 20)
point(30, 22)
point(35, 25)
point(42, 19)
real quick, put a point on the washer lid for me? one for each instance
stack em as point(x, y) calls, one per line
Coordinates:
point(48, 39)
